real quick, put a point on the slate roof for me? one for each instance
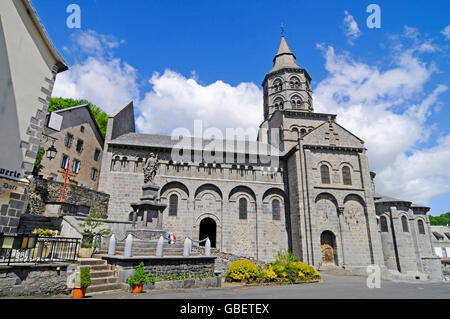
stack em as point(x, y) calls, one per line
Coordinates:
point(193, 143)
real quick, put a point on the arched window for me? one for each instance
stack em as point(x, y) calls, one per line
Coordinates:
point(278, 104)
point(405, 224)
point(383, 224)
point(346, 175)
point(325, 173)
point(294, 83)
point(242, 208)
point(276, 209)
point(296, 102)
point(421, 227)
point(302, 131)
point(173, 205)
point(277, 85)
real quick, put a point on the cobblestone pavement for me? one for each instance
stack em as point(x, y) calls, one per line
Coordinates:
point(340, 287)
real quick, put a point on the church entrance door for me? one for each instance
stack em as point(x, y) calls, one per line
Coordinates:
point(328, 244)
point(208, 229)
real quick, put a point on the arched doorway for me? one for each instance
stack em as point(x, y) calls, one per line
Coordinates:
point(208, 229)
point(328, 244)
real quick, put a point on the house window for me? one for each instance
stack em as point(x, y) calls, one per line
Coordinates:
point(276, 209)
point(97, 155)
point(383, 224)
point(80, 146)
point(243, 208)
point(405, 224)
point(346, 175)
point(325, 174)
point(173, 205)
point(94, 174)
point(64, 161)
point(76, 166)
point(69, 139)
point(421, 227)
point(82, 129)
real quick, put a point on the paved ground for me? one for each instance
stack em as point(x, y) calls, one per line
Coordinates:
point(346, 287)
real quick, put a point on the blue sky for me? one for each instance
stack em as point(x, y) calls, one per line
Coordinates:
point(181, 56)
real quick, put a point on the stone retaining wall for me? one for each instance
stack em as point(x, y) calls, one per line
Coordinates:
point(42, 192)
point(33, 280)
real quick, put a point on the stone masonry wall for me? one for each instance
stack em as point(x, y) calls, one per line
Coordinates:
point(34, 280)
point(42, 192)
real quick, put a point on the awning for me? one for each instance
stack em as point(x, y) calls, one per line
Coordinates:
point(438, 235)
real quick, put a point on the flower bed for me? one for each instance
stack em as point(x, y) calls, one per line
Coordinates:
point(285, 270)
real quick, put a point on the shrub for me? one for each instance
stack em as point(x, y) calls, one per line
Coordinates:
point(307, 270)
point(292, 270)
point(284, 258)
point(280, 270)
point(269, 273)
point(85, 277)
point(140, 276)
point(242, 270)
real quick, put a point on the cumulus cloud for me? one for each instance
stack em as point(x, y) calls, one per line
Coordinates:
point(389, 108)
point(100, 78)
point(446, 32)
point(176, 101)
point(351, 28)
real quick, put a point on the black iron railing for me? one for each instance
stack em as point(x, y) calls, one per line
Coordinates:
point(20, 249)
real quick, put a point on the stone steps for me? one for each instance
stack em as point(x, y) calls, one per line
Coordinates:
point(102, 277)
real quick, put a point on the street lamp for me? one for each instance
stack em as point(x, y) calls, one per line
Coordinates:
point(51, 152)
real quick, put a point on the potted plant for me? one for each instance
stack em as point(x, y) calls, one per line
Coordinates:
point(47, 233)
point(90, 231)
point(138, 280)
point(79, 289)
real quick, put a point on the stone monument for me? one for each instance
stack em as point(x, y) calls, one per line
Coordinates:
point(148, 212)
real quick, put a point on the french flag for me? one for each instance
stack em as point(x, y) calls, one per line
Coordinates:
point(172, 239)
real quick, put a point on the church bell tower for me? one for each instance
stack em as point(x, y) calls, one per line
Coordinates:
point(287, 86)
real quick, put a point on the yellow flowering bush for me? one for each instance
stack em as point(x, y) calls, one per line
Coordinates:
point(242, 270)
point(308, 271)
point(269, 273)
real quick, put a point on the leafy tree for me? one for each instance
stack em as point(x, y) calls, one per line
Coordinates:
point(442, 220)
point(37, 163)
point(59, 103)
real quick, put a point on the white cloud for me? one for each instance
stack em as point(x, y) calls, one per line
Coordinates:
point(103, 80)
point(176, 101)
point(446, 32)
point(351, 28)
point(388, 109)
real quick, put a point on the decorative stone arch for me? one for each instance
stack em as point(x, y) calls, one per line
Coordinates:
point(328, 244)
point(278, 103)
point(277, 84)
point(355, 197)
point(294, 82)
point(329, 197)
point(296, 101)
point(174, 187)
point(268, 201)
point(215, 239)
point(209, 189)
point(242, 190)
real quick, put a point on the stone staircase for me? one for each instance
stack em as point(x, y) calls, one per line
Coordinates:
point(148, 248)
point(102, 276)
point(332, 269)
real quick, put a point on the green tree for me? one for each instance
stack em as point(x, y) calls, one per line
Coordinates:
point(59, 103)
point(37, 163)
point(442, 220)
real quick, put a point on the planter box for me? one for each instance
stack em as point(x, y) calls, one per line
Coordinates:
point(85, 252)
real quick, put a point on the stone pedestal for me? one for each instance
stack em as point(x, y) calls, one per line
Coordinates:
point(148, 215)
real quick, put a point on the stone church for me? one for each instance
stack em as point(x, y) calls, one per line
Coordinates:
point(313, 194)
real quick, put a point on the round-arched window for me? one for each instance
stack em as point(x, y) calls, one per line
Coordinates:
point(243, 208)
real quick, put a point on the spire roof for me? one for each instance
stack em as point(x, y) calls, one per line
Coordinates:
point(284, 58)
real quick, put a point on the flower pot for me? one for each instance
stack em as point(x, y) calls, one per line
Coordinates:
point(85, 252)
point(78, 293)
point(137, 289)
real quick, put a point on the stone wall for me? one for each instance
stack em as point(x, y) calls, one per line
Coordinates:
point(43, 192)
point(13, 200)
point(154, 266)
point(33, 280)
